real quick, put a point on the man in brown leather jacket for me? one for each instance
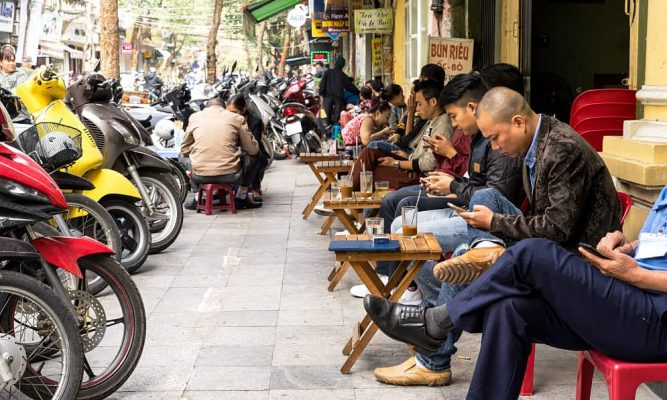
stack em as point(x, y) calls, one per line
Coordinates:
point(571, 193)
point(215, 140)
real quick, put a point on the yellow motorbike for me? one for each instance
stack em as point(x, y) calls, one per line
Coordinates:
point(42, 95)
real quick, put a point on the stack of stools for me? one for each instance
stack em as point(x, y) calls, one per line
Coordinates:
point(601, 112)
point(223, 192)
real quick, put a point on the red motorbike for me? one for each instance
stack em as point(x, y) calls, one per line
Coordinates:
point(300, 110)
point(112, 331)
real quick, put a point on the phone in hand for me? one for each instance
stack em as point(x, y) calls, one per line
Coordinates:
point(456, 208)
point(424, 180)
point(592, 250)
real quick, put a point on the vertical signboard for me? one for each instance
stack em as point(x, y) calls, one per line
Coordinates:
point(376, 56)
point(454, 55)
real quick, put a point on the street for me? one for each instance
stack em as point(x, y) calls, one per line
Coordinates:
point(238, 309)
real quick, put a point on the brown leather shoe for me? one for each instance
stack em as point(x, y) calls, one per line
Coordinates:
point(464, 269)
point(408, 373)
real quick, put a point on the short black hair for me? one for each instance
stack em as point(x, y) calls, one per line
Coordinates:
point(463, 89)
point(320, 63)
point(429, 89)
point(238, 101)
point(376, 85)
point(380, 106)
point(391, 91)
point(215, 102)
point(502, 74)
point(365, 93)
point(433, 72)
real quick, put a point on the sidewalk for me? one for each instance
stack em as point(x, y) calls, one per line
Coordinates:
point(238, 309)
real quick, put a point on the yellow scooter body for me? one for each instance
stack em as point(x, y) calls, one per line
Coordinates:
point(43, 98)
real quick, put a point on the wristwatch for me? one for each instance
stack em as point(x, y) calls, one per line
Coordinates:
point(397, 164)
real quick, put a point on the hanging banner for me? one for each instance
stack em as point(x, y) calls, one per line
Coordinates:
point(376, 56)
point(336, 16)
point(454, 55)
point(52, 27)
point(7, 16)
point(317, 12)
point(380, 21)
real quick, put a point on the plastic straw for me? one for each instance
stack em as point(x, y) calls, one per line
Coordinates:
point(414, 216)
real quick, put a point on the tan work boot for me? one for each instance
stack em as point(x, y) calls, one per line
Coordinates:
point(464, 269)
point(408, 373)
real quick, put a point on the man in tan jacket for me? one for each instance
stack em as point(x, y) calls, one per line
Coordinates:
point(214, 141)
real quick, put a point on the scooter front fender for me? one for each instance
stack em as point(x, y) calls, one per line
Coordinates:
point(64, 252)
point(109, 183)
point(147, 158)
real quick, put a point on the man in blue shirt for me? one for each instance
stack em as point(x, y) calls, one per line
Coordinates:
point(539, 292)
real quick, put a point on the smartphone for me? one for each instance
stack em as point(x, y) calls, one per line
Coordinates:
point(424, 180)
point(592, 250)
point(456, 208)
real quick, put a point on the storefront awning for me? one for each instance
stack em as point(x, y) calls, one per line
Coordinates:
point(262, 10)
point(74, 53)
point(51, 49)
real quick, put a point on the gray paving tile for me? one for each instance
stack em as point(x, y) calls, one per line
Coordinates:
point(309, 377)
point(235, 356)
point(412, 393)
point(230, 378)
point(241, 336)
point(171, 379)
point(212, 319)
point(226, 395)
point(310, 317)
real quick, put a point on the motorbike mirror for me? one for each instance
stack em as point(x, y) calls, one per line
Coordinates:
point(234, 66)
point(257, 68)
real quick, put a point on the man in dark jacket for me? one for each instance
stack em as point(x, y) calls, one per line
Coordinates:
point(571, 193)
point(331, 89)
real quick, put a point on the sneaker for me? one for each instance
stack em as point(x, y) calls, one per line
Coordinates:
point(411, 297)
point(466, 268)
point(320, 210)
point(362, 291)
point(408, 373)
point(342, 233)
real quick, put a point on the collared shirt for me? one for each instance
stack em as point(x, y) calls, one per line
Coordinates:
point(656, 222)
point(13, 79)
point(531, 155)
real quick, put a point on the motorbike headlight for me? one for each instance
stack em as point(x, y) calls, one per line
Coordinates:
point(23, 192)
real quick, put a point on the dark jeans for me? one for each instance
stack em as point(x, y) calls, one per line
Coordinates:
point(498, 203)
point(332, 107)
point(259, 174)
point(249, 169)
point(539, 292)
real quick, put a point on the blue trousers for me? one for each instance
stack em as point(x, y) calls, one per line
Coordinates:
point(498, 203)
point(539, 292)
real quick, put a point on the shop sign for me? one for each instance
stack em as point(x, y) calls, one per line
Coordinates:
point(52, 27)
point(376, 56)
point(317, 11)
point(358, 4)
point(126, 46)
point(380, 20)
point(454, 55)
point(323, 56)
point(297, 16)
point(7, 16)
point(336, 16)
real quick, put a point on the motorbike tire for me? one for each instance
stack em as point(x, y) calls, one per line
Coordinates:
point(277, 146)
point(134, 332)
point(163, 233)
point(33, 384)
point(102, 217)
point(181, 179)
point(135, 234)
point(266, 143)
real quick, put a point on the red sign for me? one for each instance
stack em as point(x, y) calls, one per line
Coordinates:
point(126, 46)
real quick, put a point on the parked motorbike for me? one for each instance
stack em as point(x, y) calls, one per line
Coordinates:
point(43, 97)
point(29, 198)
point(119, 140)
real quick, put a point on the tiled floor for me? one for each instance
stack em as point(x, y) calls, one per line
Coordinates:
point(238, 309)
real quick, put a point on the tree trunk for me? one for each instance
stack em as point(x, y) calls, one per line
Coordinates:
point(283, 56)
point(260, 47)
point(109, 46)
point(136, 45)
point(211, 59)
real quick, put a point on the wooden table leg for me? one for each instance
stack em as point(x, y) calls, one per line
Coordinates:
point(337, 274)
point(361, 344)
point(316, 198)
point(316, 171)
point(347, 221)
point(326, 225)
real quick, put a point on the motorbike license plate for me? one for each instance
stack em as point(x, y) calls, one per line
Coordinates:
point(294, 128)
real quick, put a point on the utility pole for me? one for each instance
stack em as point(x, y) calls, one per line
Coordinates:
point(109, 39)
point(211, 58)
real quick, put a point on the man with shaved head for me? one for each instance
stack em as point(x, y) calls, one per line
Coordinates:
point(571, 194)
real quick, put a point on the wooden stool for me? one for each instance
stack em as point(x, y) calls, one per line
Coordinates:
point(206, 193)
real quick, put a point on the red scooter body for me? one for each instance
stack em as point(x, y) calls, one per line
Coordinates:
point(296, 93)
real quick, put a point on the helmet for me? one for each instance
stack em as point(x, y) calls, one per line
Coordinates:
point(164, 129)
point(58, 147)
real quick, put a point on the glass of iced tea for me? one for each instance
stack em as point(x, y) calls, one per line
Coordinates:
point(381, 188)
point(345, 186)
point(409, 215)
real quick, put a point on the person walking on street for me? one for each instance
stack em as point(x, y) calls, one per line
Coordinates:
point(331, 89)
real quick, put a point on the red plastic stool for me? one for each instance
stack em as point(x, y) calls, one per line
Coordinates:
point(527, 385)
point(206, 194)
point(622, 377)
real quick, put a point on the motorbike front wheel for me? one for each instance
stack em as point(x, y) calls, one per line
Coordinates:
point(165, 225)
point(135, 234)
point(35, 322)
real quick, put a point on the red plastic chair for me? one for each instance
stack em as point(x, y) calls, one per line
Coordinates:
point(596, 137)
point(622, 110)
point(209, 190)
point(602, 96)
point(528, 377)
point(599, 123)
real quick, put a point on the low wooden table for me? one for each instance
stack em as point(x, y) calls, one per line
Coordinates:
point(355, 205)
point(325, 172)
point(416, 250)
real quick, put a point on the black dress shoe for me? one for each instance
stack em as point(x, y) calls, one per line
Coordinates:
point(257, 199)
point(402, 323)
point(246, 203)
point(191, 205)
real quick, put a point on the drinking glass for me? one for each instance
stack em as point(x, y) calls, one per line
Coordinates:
point(381, 188)
point(375, 226)
point(409, 215)
point(345, 186)
point(366, 183)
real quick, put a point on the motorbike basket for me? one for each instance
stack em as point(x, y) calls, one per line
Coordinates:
point(52, 145)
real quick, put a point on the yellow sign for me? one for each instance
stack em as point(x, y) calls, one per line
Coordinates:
point(376, 56)
point(454, 55)
point(380, 20)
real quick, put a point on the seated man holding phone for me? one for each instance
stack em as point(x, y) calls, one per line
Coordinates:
point(540, 292)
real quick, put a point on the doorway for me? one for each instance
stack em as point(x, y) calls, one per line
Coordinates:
point(570, 46)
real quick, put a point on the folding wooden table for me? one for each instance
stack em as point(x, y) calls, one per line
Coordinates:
point(415, 251)
point(325, 172)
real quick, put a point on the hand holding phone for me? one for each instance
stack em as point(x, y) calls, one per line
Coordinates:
point(592, 250)
point(456, 208)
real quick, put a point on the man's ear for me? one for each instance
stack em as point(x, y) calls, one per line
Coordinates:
point(519, 121)
point(471, 106)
